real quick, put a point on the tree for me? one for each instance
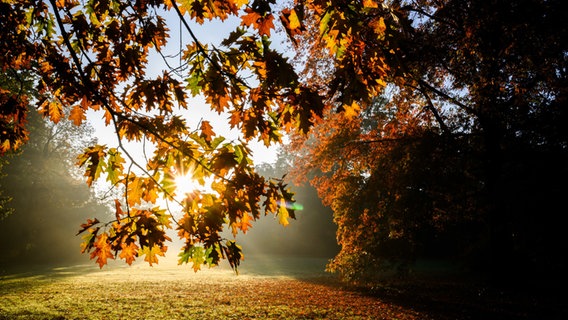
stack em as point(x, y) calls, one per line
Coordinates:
point(470, 123)
point(49, 197)
point(15, 88)
point(93, 56)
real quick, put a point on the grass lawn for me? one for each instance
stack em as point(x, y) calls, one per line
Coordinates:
point(273, 288)
point(168, 291)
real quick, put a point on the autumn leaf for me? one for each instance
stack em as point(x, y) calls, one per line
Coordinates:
point(114, 166)
point(224, 161)
point(265, 25)
point(151, 253)
point(240, 3)
point(207, 131)
point(197, 255)
point(234, 254)
point(251, 18)
point(54, 111)
point(351, 111)
point(245, 223)
point(370, 4)
point(379, 27)
point(102, 250)
point(283, 214)
point(129, 252)
point(93, 159)
point(88, 240)
point(77, 115)
point(118, 210)
point(262, 23)
point(87, 225)
point(135, 190)
point(291, 23)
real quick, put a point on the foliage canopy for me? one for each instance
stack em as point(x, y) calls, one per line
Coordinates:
point(94, 55)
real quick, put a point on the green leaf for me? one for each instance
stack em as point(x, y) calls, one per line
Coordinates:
point(194, 83)
point(324, 22)
point(197, 256)
point(114, 166)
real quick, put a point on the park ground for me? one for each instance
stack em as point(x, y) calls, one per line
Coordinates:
point(267, 288)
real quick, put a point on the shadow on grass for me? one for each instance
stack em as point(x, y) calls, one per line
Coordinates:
point(453, 296)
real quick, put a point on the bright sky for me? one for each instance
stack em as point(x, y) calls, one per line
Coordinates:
point(212, 32)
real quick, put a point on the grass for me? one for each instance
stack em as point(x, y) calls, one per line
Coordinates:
point(272, 289)
point(267, 288)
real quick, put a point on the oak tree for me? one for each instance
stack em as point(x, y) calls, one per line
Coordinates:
point(94, 56)
point(470, 122)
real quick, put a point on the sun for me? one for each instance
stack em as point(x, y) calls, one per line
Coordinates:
point(186, 184)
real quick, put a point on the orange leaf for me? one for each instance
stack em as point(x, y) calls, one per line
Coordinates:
point(251, 18)
point(352, 110)
point(370, 4)
point(55, 111)
point(207, 131)
point(265, 24)
point(119, 211)
point(129, 252)
point(102, 250)
point(245, 223)
point(77, 115)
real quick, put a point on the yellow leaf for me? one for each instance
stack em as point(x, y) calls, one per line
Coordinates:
point(152, 253)
point(352, 110)
point(260, 67)
point(134, 191)
point(370, 4)
point(294, 21)
point(240, 3)
point(379, 27)
point(283, 213)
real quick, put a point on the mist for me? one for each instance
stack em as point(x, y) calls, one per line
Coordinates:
point(311, 234)
point(49, 201)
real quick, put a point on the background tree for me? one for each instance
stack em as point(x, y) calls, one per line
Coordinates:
point(469, 140)
point(312, 236)
point(5, 209)
point(49, 198)
point(15, 89)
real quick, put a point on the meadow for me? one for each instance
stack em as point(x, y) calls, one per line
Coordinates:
point(275, 288)
point(269, 290)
